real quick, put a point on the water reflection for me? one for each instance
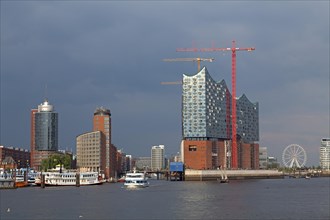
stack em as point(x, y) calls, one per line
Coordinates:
point(257, 199)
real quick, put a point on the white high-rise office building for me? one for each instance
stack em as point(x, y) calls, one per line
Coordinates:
point(325, 154)
point(157, 157)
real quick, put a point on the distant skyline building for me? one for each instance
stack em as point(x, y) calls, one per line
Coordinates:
point(263, 158)
point(325, 154)
point(128, 162)
point(158, 157)
point(44, 133)
point(141, 163)
point(207, 125)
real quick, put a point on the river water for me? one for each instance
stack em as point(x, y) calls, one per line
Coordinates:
point(238, 199)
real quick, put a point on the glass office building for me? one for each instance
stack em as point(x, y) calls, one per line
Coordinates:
point(46, 128)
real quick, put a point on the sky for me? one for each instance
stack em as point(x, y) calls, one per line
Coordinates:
point(81, 55)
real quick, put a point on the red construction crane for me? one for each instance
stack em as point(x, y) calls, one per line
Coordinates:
point(233, 49)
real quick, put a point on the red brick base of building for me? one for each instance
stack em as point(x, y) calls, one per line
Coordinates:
point(213, 154)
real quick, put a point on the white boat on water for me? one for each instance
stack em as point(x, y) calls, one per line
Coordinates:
point(7, 180)
point(69, 178)
point(136, 180)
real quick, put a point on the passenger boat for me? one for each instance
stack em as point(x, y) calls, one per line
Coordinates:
point(69, 178)
point(7, 180)
point(136, 180)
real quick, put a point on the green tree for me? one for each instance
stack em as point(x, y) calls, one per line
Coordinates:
point(63, 160)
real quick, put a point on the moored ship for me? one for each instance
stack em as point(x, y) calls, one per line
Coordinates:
point(69, 179)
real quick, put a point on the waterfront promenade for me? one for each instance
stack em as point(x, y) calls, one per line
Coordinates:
point(204, 175)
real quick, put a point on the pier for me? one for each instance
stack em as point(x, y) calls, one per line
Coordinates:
point(206, 175)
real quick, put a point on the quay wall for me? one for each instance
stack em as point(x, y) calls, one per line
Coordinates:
point(205, 175)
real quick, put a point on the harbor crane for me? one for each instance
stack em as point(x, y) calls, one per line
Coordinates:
point(198, 60)
point(233, 49)
point(171, 83)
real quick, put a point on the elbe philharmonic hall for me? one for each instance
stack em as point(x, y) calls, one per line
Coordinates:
point(206, 125)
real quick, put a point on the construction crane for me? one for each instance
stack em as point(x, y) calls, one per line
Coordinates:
point(233, 49)
point(198, 60)
point(171, 83)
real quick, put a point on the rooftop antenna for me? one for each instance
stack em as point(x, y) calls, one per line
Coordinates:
point(46, 99)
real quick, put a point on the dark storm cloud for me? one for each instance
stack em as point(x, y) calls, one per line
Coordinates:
point(109, 54)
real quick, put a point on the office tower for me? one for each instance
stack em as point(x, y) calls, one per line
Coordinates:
point(157, 157)
point(32, 137)
point(46, 128)
point(91, 151)
point(102, 122)
point(44, 133)
point(325, 154)
point(206, 124)
point(128, 162)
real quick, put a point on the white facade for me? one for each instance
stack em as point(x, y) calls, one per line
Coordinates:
point(325, 154)
point(263, 158)
point(157, 157)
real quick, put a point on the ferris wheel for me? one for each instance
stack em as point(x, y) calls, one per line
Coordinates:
point(294, 156)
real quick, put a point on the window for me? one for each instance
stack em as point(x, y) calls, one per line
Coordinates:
point(192, 148)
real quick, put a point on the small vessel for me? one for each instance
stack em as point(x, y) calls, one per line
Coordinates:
point(224, 178)
point(20, 180)
point(121, 179)
point(32, 178)
point(136, 180)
